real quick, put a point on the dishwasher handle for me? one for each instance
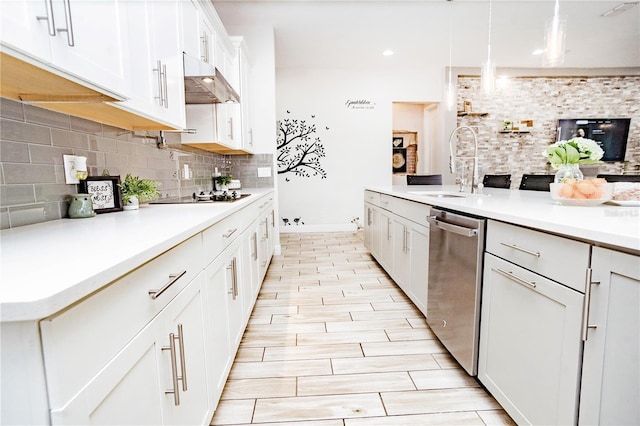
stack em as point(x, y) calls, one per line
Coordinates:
point(456, 229)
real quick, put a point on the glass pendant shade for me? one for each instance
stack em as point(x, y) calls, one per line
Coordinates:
point(554, 41)
point(488, 76)
point(450, 95)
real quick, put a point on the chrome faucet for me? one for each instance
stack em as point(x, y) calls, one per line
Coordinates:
point(452, 158)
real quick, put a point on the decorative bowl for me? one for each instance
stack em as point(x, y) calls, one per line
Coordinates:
point(582, 193)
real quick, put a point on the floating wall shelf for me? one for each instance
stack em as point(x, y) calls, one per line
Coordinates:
point(472, 114)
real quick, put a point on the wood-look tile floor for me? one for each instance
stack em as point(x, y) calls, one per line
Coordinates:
point(332, 341)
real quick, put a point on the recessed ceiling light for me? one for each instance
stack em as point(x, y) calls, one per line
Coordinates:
point(387, 52)
point(538, 52)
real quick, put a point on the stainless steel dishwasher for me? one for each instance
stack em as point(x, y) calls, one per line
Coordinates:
point(456, 246)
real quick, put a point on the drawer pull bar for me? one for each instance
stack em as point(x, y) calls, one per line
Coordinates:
point(173, 278)
point(515, 278)
point(230, 232)
point(513, 246)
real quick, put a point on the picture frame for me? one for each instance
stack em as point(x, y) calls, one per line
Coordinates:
point(399, 160)
point(467, 106)
point(398, 142)
point(105, 193)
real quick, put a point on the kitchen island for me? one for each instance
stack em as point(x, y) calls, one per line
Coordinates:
point(559, 318)
point(607, 225)
point(99, 309)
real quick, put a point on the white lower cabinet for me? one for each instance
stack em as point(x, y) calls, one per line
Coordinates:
point(156, 345)
point(396, 233)
point(530, 344)
point(419, 275)
point(250, 268)
point(218, 333)
point(157, 378)
point(533, 299)
point(410, 254)
point(385, 256)
point(610, 392)
point(266, 228)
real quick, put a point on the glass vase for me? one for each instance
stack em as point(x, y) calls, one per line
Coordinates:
point(568, 171)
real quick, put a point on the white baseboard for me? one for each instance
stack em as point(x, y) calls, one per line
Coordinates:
point(290, 229)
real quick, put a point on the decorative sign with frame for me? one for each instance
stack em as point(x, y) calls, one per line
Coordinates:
point(105, 193)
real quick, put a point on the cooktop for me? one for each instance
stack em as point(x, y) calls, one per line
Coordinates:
point(202, 198)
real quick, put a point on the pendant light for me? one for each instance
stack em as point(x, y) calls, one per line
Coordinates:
point(488, 70)
point(554, 39)
point(450, 89)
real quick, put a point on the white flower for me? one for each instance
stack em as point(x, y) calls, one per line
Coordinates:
point(574, 151)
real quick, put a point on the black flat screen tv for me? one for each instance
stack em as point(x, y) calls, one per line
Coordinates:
point(610, 133)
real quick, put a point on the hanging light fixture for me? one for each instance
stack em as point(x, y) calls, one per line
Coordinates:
point(488, 70)
point(450, 89)
point(554, 39)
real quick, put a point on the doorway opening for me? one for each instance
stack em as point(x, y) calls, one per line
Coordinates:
point(413, 140)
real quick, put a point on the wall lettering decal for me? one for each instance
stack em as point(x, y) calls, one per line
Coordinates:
point(359, 104)
point(299, 151)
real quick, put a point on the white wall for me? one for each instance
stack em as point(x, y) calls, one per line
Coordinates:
point(357, 142)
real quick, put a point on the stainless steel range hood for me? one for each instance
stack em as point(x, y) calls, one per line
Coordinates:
point(204, 84)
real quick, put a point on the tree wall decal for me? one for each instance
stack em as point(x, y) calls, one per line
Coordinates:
point(299, 151)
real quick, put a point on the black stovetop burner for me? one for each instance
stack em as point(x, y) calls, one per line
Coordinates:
point(202, 198)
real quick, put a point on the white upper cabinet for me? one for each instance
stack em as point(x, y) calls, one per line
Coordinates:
point(157, 76)
point(245, 68)
point(86, 39)
point(198, 34)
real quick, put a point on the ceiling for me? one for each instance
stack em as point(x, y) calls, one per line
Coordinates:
point(436, 33)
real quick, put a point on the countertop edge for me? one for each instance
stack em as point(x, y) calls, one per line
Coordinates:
point(39, 308)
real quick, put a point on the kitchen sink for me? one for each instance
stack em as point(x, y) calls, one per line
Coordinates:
point(447, 194)
point(439, 194)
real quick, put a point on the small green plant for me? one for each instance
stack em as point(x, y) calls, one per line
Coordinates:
point(143, 189)
point(224, 180)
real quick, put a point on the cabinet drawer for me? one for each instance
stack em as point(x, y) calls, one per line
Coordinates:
point(560, 259)
point(218, 237)
point(80, 341)
point(372, 197)
point(415, 212)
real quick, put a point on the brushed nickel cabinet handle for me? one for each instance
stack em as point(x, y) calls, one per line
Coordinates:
point(51, 25)
point(69, 29)
point(587, 305)
point(205, 46)
point(515, 247)
point(174, 369)
point(234, 279)
point(254, 246)
point(172, 280)
point(165, 86)
point(160, 97)
point(515, 278)
point(183, 362)
point(230, 232)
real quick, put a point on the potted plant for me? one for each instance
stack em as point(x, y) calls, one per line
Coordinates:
point(222, 182)
point(136, 191)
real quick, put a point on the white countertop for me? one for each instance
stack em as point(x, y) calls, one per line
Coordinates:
point(608, 225)
point(47, 266)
